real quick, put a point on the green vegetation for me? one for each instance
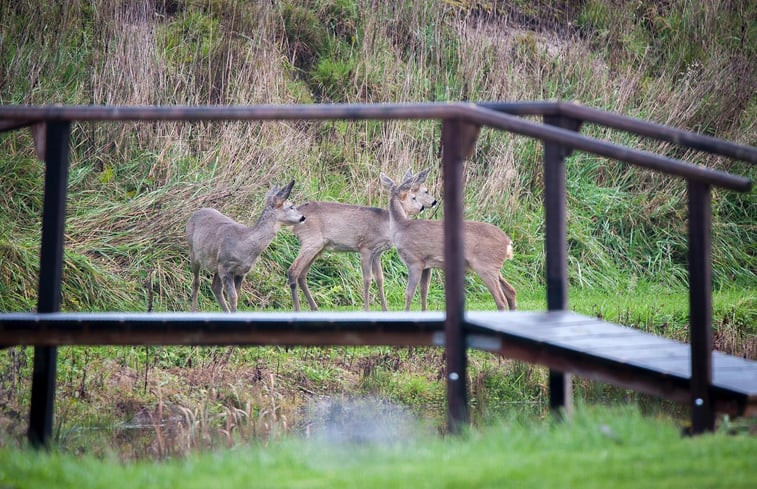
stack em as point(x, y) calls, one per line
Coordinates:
point(133, 186)
point(599, 448)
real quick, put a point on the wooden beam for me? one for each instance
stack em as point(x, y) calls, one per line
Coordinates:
point(556, 246)
point(243, 328)
point(700, 307)
point(51, 270)
point(458, 142)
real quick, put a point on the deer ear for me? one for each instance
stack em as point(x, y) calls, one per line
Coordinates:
point(407, 180)
point(421, 177)
point(386, 181)
point(283, 194)
point(408, 174)
point(403, 189)
point(271, 194)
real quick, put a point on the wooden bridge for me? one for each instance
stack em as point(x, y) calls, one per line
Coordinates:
point(566, 342)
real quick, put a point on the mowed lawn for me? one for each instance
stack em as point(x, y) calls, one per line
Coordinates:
point(597, 448)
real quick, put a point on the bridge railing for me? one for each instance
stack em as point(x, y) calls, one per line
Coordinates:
point(460, 126)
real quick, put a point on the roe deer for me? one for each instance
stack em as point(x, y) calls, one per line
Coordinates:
point(420, 244)
point(229, 249)
point(343, 227)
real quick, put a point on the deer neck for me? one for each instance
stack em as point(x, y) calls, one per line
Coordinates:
point(260, 235)
point(397, 215)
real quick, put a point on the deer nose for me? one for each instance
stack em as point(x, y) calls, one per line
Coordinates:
point(302, 219)
point(433, 203)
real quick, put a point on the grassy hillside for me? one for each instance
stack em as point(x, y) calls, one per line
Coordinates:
point(133, 186)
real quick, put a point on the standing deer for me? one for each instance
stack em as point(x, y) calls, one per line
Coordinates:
point(343, 227)
point(229, 249)
point(420, 244)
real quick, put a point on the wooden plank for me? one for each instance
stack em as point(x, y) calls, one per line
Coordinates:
point(619, 355)
point(743, 380)
point(505, 321)
point(305, 328)
point(673, 366)
point(566, 333)
point(731, 373)
point(661, 350)
point(736, 382)
point(734, 378)
point(721, 360)
point(608, 342)
point(593, 367)
point(606, 348)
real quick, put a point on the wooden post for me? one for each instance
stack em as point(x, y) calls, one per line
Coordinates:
point(50, 273)
point(556, 245)
point(458, 142)
point(700, 306)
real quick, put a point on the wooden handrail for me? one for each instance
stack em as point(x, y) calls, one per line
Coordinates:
point(483, 114)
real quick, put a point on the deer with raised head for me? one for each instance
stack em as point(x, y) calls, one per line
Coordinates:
point(420, 245)
point(229, 249)
point(343, 227)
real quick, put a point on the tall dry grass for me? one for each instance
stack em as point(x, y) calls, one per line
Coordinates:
point(134, 185)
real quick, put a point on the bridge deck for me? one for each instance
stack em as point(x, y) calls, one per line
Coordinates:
point(564, 341)
point(619, 355)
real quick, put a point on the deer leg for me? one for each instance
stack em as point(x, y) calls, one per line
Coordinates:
point(425, 283)
point(297, 274)
point(413, 276)
point(195, 286)
point(304, 283)
point(365, 266)
point(293, 288)
point(231, 291)
point(305, 290)
point(509, 292)
point(217, 288)
point(492, 283)
point(295, 297)
point(238, 284)
point(378, 275)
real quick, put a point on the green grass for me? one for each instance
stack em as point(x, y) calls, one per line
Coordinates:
point(596, 448)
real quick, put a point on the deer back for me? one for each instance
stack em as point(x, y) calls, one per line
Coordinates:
point(485, 245)
point(342, 227)
point(211, 237)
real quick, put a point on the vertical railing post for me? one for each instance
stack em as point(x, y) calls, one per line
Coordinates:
point(556, 244)
point(700, 306)
point(458, 140)
point(50, 274)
